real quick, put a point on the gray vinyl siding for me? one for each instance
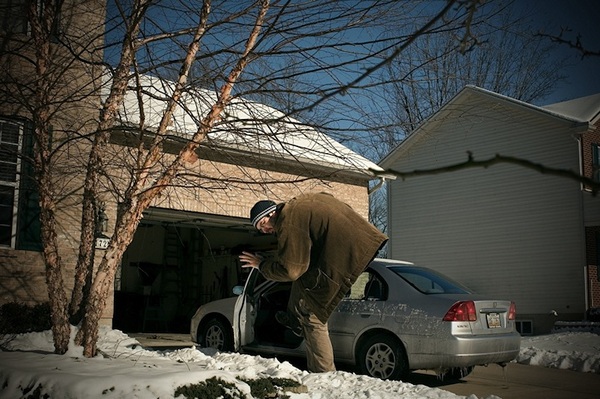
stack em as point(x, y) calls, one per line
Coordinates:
point(505, 231)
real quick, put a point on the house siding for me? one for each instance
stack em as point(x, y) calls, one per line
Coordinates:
point(504, 231)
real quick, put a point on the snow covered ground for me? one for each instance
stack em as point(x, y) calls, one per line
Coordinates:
point(127, 370)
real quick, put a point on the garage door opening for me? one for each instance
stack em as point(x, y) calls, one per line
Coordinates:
point(176, 262)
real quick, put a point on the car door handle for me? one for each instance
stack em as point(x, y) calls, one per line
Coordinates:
point(365, 315)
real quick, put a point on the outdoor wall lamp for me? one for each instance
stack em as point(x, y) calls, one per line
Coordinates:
point(102, 240)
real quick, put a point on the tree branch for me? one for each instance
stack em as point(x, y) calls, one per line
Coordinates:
point(592, 185)
point(574, 44)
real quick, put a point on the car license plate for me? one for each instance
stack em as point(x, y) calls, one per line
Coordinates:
point(493, 320)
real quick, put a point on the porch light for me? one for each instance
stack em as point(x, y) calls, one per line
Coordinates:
point(102, 240)
point(101, 221)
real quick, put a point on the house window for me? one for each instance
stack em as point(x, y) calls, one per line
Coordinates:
point(524, 327)
point(596, 162)
point(10, 146)
point(19, 199)
point(13, 16)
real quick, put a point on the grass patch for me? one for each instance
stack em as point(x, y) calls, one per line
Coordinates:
point(213, 388)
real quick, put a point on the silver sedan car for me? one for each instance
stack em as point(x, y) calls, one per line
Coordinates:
point(397, 317)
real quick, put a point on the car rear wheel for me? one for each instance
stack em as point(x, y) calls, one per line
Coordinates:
point(382, 356)
point(216, 334)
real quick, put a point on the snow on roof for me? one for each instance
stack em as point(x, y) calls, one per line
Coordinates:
point(585, 109)
point(246, 126)
point(571, 112)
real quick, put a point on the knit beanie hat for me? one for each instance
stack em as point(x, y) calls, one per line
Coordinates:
point(260, 210)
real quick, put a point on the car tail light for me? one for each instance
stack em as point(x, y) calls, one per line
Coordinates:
point(461, 311)
point(512, 311)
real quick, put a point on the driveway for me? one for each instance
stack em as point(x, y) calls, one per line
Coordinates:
point(518, 381)
point(515, 381)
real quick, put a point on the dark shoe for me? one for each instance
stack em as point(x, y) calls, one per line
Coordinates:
point(287, 320)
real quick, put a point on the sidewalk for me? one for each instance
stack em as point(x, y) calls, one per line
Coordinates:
point(163, 340)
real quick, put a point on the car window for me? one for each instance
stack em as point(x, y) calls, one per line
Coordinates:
point(357, 291)
point(368, 286)
point(429, 281)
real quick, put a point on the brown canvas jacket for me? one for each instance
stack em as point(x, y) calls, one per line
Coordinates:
point(324, 246)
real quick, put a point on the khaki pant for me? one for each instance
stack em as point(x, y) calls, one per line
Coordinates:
point(319, 352)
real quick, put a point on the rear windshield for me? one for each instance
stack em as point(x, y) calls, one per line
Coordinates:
point(429, 281)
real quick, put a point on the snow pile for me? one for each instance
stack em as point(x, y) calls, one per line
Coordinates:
point(579, 351)
point(124, 369)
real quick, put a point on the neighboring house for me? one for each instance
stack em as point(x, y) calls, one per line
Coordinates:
point(185, 249)
point(506, 230)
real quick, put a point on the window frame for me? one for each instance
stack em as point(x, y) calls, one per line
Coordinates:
point(16, 16)
point(16, 184)
point(595, 162)
point(15, 12)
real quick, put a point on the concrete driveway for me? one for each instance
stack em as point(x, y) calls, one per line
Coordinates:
point(518, 381)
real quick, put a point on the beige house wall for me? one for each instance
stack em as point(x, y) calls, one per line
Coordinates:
point(72, 91)
point(22, 277)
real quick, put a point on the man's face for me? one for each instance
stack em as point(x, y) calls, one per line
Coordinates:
point(264, 225)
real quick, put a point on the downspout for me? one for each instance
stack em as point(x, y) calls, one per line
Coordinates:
point(586, 270)
point(377, 186)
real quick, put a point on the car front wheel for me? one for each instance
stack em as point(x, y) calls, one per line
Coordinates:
point(382, 356)
point(216, 334)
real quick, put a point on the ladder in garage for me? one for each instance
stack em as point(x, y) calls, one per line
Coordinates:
point(172, 247)
point(170, 282)
point(172, 256)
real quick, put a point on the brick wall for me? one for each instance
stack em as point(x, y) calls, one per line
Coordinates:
point(232, 188)
point(74, 109)
point(592, 233)
point(588, 139)
point(22, 273)
point(594, 287)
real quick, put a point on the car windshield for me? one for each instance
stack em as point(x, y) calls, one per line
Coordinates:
point(429, 281)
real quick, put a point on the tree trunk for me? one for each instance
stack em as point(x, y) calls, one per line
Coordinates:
point(85, 260)
point(104, 278)
point(40, 30)
point(61, 329)
point(140, 195)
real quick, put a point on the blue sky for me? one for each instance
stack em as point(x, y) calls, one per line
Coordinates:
point(582, 16)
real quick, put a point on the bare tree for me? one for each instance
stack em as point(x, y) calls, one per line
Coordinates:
point(498, 51)
point(504, 55)
point(574, 43)
point(146, 42)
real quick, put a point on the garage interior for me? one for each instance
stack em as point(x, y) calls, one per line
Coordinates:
point(178, 261)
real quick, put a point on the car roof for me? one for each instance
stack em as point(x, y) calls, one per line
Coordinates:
point(391, 262)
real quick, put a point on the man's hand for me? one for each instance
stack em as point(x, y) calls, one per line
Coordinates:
point(250, 260)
